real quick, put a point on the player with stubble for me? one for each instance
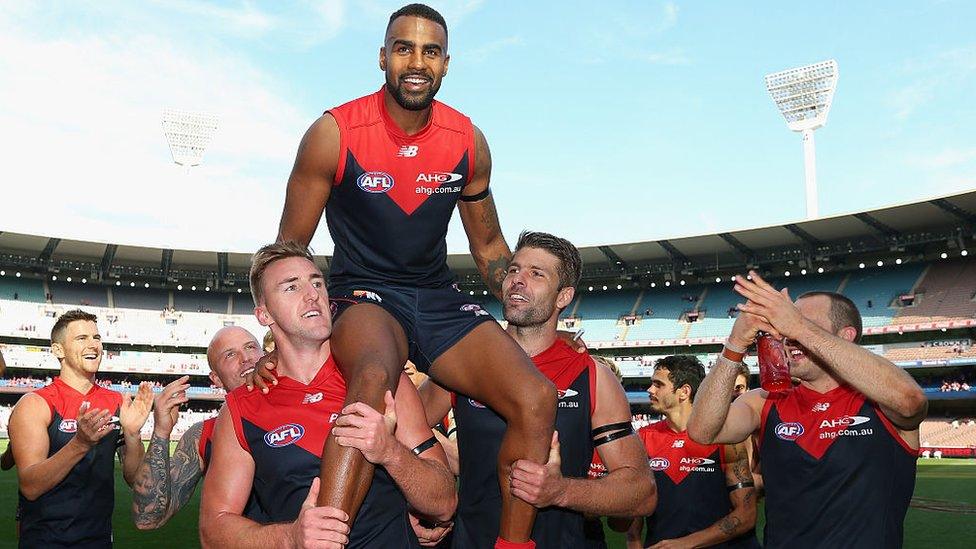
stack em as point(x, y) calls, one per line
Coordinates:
point(838, 451)
point(389, 169)
point(593, 413)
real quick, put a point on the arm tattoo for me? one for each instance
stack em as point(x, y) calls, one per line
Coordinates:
point(495, 274)
point(157, 483)
point(728, 525)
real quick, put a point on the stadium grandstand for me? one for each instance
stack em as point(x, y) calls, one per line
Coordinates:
point(908, 268)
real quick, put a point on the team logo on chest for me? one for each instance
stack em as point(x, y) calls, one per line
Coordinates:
point(68, 426)
point(408, 151)
point(375, 182)
point(789, 431)
point(284, 435)
point(659, 463)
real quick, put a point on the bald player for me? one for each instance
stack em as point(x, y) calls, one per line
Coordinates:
point(163, 484)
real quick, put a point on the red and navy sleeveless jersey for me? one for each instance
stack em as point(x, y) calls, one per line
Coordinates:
point(77, 512)
point(691, 486)
point(593, 526)
point(836, 471)
point(394, 194)
point(479, 437)
point(285, 431)
point(205, 446)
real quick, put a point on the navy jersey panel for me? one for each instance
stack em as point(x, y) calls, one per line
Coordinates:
point(394, 194)
point(205, 445)
point(433, 319)
point(479, 437)
point(284, 431)
point(836, 472)
point(691, 486)
point(77, 512)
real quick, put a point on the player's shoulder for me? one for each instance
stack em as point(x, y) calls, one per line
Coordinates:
point(361, 111)
point(446, 116)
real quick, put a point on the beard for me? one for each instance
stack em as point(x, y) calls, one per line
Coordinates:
point(532, 316)
point(408, 101)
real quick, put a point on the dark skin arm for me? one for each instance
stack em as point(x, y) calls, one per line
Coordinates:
point(480, 219)
point(310, 181)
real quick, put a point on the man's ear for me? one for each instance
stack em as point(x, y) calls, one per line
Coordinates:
point(57, 350)
point(565, 297)
point(264, 318)
point(383, 58)
point(215, 379)
point(848, 333)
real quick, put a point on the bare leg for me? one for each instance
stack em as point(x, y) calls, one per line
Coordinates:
point(371, 366)
point(490, 367)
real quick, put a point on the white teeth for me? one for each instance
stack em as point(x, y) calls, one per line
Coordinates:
point(246, 372)
point(311, 314)
point(518, 297)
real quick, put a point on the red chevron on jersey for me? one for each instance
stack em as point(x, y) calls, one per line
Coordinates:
point(814, 421)
point(676, 455)
point(407, 169)
point(311, 410)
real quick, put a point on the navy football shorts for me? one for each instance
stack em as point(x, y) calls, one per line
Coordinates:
point(433, 319)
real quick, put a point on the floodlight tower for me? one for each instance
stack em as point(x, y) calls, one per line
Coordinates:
point(803, 95)
point(188, 134)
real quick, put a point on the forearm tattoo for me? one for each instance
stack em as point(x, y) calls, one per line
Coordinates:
point(728, 525)
point(150, 492)
point(163, 486)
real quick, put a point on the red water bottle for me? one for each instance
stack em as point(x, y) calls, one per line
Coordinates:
point(774, 368)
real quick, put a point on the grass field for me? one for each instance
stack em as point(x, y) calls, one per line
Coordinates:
point(943, 515)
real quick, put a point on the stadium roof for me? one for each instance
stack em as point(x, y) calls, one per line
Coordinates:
point(948, 220)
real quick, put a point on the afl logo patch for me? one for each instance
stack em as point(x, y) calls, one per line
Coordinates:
point(68, 426)
point(659, 464)
point(789, 431)
point(284, 435)
point(375, 182)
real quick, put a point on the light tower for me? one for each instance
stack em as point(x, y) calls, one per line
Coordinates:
point(188, 134)
point(803, 95)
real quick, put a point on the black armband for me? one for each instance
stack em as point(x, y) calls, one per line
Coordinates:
point(613, 432)
point(424, 446)
point(475, 197)
point(739, 486)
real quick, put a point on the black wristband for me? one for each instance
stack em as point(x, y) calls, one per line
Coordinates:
point(612, 437)
point(611, 427)
point(424, 446)
point(475, 197)
point(739, 486)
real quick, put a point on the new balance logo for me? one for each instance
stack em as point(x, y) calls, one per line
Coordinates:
point(821, 406)
point(312, 399)
point(408, 151)
point(680, 443)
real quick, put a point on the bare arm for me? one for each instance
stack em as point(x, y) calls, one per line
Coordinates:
point(480, 220)
point(225, 491)
point(133, 414)
point(742, 518)
point(163, 486)
point(436, 401)
point(38, 473)
point(877, 378)
point(713, 419)
point(425, 480)
point(627, 489)
point(310, 181)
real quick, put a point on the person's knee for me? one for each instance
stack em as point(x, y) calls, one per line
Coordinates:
point(372, 375)
point(536, 402)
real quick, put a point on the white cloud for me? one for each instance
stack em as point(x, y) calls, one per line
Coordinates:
point(484, 51)
point(85, 156)
point(244, 18)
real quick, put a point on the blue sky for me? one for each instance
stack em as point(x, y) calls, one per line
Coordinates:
point(608, 122)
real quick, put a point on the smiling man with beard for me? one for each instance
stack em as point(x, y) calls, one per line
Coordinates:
point(592, 413)
point(837, 451)
point(163, 485)
point(389, 169)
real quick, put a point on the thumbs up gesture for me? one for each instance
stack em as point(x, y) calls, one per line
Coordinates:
point(538, 484)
